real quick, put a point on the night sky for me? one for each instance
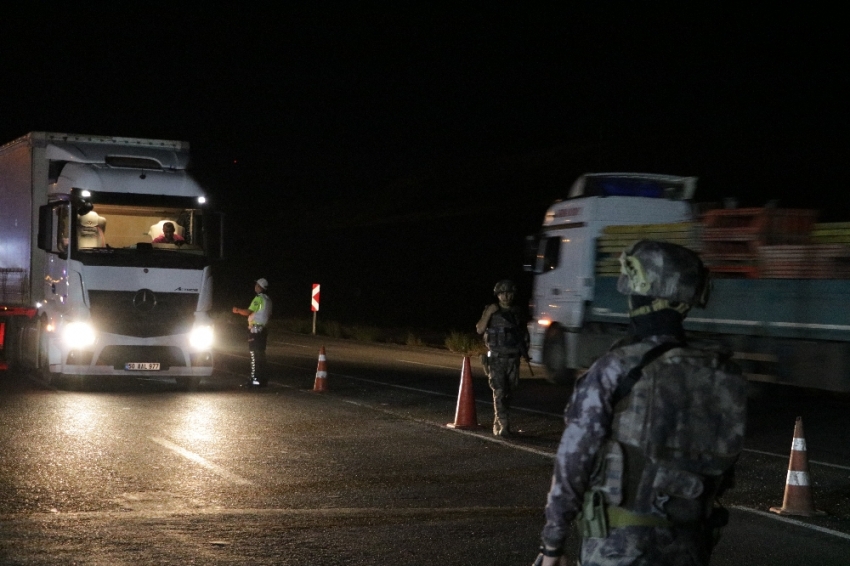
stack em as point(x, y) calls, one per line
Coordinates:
point(398, 152)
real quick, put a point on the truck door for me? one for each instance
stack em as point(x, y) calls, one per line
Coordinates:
point(562, 281)
point(54, 237)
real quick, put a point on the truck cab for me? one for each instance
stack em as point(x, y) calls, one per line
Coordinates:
point(116, 297)
point(563, 255)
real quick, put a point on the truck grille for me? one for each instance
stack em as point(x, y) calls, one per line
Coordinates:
point(155, 314)
point(117, 356)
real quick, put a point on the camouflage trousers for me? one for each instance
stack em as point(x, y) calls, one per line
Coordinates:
point(503, 379)
point(648, 546)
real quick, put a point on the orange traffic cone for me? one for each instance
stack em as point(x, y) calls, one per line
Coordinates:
point(321, 383)
point(465, 416)
point(798, 491)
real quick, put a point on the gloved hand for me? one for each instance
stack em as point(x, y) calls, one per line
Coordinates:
point(485, 317)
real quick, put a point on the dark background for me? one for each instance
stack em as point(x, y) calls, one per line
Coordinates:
point(398, 153)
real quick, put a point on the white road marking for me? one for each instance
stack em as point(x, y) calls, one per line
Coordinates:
point(794, 522)
point(522, 409)
point(547, 454)
point(470, 432)
point(428, 365)
point(839, 466)
point(215, 468)
point(365, 512)
point(357, 513)
point(395, 385)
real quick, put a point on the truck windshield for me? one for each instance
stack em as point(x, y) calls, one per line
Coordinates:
point(124, 234)
point(652, 186)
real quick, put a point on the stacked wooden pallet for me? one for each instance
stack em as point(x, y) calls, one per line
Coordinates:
point(615, 239)
point(827, 257)
point(732, 238)
point(812, 261)
point(831, 233)
point(756, 243)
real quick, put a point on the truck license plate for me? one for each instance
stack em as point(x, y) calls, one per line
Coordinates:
point(142, 365)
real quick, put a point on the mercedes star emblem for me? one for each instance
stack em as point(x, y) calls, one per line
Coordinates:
point(144, 300)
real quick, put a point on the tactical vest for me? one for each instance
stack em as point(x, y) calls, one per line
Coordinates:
point(674, 435)
point(503, 334)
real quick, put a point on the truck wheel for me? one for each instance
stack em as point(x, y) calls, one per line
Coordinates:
point(555, 357)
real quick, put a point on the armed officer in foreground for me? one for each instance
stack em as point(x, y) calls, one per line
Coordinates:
point(653, 429)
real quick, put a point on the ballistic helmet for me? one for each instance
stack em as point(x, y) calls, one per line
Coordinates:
point(664, 271)
point(504, 286)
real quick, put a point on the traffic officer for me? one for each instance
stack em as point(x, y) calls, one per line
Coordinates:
point(258, 312)
point(506, 339)
point(653, 429)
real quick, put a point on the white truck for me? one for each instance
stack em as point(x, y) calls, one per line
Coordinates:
point(86, 286)
point(780, 297)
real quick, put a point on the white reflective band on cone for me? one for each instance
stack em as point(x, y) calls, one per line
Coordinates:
point(798, 478)
point(321, 373)
point(799, 445)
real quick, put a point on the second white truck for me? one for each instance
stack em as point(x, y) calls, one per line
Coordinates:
point(780, 297)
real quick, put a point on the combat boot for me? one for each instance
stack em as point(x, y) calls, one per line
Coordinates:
point(501, 427)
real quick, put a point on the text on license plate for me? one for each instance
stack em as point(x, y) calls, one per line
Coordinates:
point(142, 365)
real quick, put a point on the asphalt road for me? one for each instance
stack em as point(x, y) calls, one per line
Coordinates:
point(365, 473)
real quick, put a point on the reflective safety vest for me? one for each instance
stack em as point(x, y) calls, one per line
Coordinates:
point(261, 310)
point(675, 435)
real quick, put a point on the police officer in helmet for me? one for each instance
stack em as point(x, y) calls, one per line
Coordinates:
point(653, 429)
point(259, 313)
point(506, 338)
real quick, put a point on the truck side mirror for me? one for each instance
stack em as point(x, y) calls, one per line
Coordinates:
point(45, 228)
point(54, 228)
point(529, 262)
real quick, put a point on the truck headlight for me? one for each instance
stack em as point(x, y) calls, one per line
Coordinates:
point(78, 335)
point(201, 337)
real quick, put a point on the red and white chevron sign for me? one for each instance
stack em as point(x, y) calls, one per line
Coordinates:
point(315, 301)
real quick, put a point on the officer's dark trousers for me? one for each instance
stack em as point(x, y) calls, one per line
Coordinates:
point(257, 349)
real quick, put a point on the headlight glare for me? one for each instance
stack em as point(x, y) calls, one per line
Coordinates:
point(201, 337)
point(78, 335)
